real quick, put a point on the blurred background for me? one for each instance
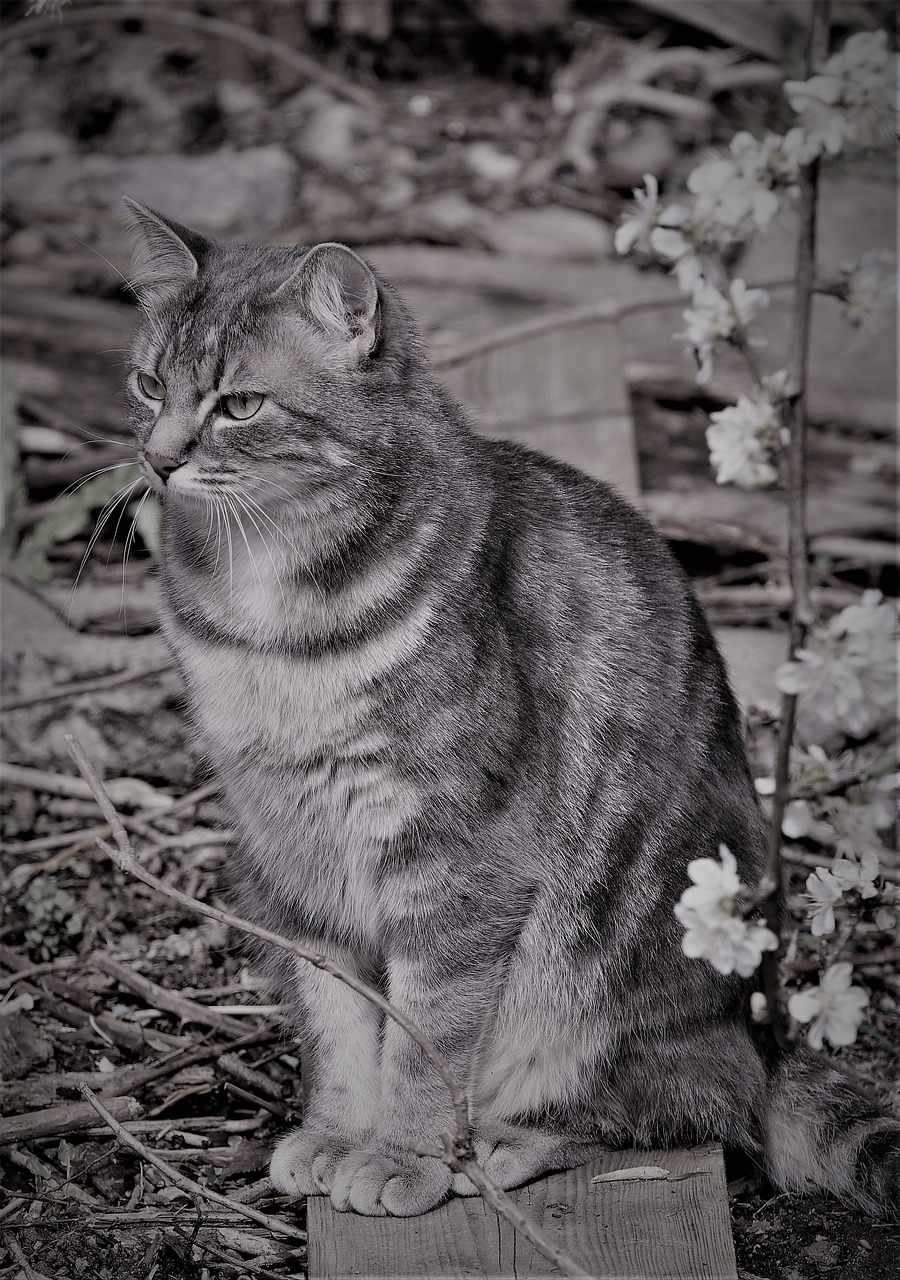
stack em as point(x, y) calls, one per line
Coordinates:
point(480, 153)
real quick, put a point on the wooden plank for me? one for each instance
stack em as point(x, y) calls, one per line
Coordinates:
point(639, 1230)
point(757, 25)
point(558, 388)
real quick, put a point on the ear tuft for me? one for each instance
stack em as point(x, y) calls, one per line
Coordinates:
point(166, 254)
point(339, 293)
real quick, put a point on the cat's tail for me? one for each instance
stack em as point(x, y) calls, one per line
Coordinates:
point(822, 1133)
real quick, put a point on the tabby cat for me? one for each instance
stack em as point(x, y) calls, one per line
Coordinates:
point(471, 726)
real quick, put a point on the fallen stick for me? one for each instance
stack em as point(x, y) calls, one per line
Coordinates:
point(275, 1225)
point(458, 1151)
point(237, 1071)
point(72, 1117)
point(127, 791)
point(170, 1001)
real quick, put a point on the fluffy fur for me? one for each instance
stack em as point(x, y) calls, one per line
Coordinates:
point(472, 726)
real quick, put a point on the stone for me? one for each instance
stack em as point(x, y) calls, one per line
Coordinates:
point(340, 137)
point(551, 232)
point(36, 145)
point(451, 211)
point(489, 162)
point(226, 192)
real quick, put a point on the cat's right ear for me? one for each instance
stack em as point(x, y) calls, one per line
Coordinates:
point(166, 254)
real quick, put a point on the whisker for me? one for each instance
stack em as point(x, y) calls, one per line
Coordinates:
point(103, 518)
point(77, 484)
point(275, 567)
point(253, 565)
point(129, 542)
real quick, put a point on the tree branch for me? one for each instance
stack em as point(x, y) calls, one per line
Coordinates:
point(254, 40)
point(793, 420)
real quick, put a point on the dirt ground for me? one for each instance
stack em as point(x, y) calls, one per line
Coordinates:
point(444, 123)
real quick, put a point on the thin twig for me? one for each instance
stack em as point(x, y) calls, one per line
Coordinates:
point(35, 970)
point(459, 1152)
point(300, 62)
point(77, 687)
point(793, 419)
point(179, 1180)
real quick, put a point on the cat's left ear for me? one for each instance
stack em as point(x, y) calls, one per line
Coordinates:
point(339, 293)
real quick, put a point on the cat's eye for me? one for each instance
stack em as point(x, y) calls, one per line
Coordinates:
point(152, 388)
point(241, 405)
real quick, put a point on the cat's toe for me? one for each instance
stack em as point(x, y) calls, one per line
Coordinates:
point(304, 1163)
point(376, 1184)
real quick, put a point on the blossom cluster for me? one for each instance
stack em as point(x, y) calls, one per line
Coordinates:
point(713, 931)
point(743, 437)
point(851, 103)
point(733, 195)
point(849, 668)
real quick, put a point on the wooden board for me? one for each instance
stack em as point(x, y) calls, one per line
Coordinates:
point(757, 25)
point(557, 386)
point(656, 1230)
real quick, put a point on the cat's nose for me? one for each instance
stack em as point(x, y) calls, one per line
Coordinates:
point(162, 466)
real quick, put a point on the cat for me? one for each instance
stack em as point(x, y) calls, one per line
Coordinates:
point(472, 726)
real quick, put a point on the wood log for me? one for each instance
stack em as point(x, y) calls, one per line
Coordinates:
point(182, 1007)
point(72, 1117)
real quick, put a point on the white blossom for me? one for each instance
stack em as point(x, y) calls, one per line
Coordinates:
point(797, 819)
point(826, 893)
point(851, 103)
point(886, 919)
point(676, 244)
point(868, 289)
point(714, 318)
point(634, 233)
point(730, 944)
point(739, 192)
point(741, 439)
point(833, 1008)
point(850, 666)
point(858, 876)
point(712, 931)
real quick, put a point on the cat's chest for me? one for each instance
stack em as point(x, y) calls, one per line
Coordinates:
point(309, 762)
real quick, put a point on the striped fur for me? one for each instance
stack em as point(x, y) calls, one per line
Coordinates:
point(472, 727)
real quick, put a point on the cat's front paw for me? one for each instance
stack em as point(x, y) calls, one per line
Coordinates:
point(399, 1184)
point(304, 1162)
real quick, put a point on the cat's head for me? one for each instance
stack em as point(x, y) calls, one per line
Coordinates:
point(261, 369)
